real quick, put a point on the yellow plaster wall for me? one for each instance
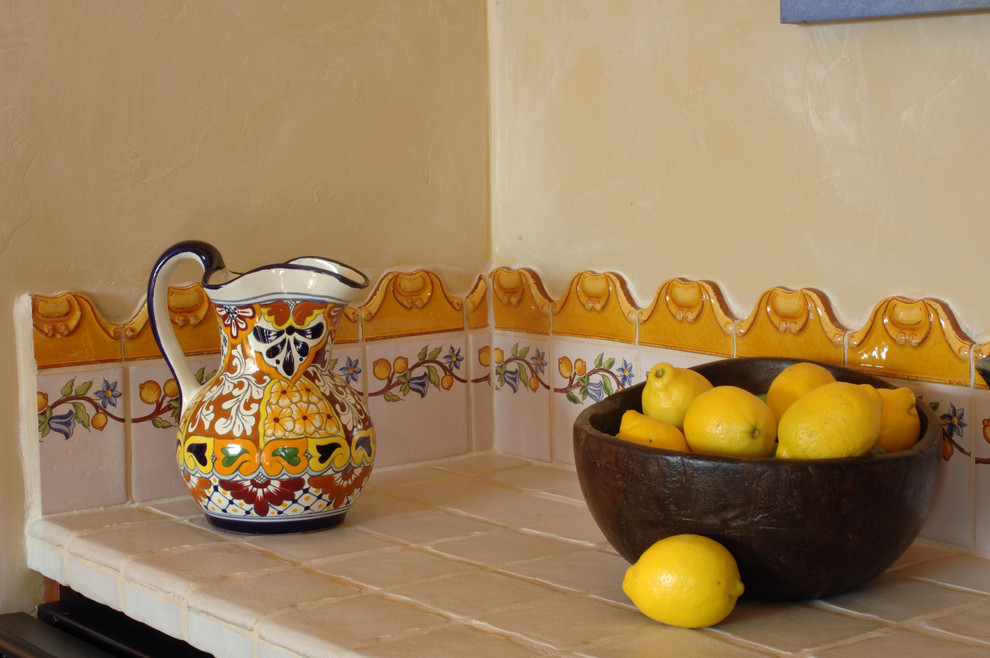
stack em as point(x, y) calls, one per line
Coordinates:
point(709, 141)
point(349, 129)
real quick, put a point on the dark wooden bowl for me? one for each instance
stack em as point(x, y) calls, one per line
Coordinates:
point(798, 529)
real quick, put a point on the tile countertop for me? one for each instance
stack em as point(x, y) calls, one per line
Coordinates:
point(486, 555)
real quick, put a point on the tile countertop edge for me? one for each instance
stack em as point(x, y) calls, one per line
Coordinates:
point(493, 519)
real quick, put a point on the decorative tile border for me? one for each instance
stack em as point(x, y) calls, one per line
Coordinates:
point(504, 367)
point(595, 306)
point(688, 315)
point(792, 323)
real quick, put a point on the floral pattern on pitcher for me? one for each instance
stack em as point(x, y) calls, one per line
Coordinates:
point(276, 432)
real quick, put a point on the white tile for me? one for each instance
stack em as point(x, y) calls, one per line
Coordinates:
point(83, 453)
point(420, 413)
point(155, 609)
point(482, 400)
point(950, 518)
point(45, 559)
point(585, 372)
point(522, 395)
point(101, 585)
point(980, 421)
point(214, 637)
point(177, 572)
point(153, 471)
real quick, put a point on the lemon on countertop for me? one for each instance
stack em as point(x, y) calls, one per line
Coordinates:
point(687, 580)
point(731, 421)
point(835, 420)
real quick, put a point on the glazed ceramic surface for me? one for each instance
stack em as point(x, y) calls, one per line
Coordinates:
point(798, 529)
point(274, 441)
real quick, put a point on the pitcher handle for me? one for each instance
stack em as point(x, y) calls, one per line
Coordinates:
point(211, 261)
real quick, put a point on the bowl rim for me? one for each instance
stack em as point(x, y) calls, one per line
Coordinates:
point(930, 433)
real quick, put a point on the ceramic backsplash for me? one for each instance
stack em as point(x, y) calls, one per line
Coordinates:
point(505, 367)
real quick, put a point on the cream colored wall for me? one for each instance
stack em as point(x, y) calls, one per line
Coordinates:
point(349, 129)
point(707, 140)
point(726, 146)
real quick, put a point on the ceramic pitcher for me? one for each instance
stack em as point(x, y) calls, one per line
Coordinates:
point(274, 441)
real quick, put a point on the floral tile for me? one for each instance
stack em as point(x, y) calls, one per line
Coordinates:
point(154, 415)
point(792, 323)
point(194, 322)
point(981, 437)
point(81, 429)
point(519, 301)
point(521, 395)
point(586, 372)
point(68, 331)
point(479, 373)
point(912, 339)
point(595, 306)
point(688, 315)
point(418, 398)
point(950, 519)
point(408, 304)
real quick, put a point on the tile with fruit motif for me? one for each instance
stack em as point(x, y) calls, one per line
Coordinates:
point(418, 397)
point(481, 393)
point(154, 416)
point(69, 330)
point(519, 301)
point(950, 519)
point(792, 323)
point(410, 304)
point(595, 306)
point(194, 321)
point(81, 432)
point(585, 372)
point(981, 437)
point(913, 339)
point(688, 315)
point(521, 385)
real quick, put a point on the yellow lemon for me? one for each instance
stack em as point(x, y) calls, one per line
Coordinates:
point(639, 428)
point(794, 381)
point(669, 391)
point(689, 581)
point(728, 420)
point(835, 420)
point(900, 425)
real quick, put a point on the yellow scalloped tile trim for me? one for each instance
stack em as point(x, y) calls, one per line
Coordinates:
point(687, 315)
point(68, 331)
point(194, 321)
point(476, 305)
point(409, 304)
point(913, 339)
point(348, 327)
point(519, 301)
point(596, 306)
point(792, 323)
point(980, 352)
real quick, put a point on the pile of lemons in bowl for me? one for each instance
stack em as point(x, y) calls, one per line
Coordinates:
point(805, 414)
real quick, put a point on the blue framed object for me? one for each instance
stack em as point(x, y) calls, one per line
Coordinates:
point(817, 11)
